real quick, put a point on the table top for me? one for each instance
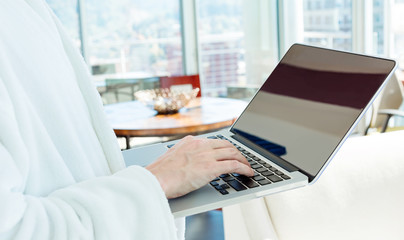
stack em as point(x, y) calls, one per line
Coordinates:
point(201, 115)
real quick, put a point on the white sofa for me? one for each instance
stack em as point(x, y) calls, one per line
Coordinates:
point(359, 196)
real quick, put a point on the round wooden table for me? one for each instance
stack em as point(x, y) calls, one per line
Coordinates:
point(133, 119)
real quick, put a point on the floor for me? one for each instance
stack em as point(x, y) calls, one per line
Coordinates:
point(205, 226)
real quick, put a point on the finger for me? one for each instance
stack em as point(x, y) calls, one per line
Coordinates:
point(229, 154)
point(183, 141)
point(233, 166)
point(205, 143)
point(218, 143)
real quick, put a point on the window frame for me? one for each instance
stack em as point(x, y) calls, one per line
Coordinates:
point(288, 32)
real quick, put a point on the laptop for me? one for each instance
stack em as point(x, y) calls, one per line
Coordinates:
point(291, 129)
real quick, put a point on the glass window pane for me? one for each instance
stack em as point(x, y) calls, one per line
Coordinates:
point(237, 45)
point(67, 13)
point(328, 23)
point(221, 44)
point(396, 36)
point(378, 27)
point(134, 36)
point(397, 31)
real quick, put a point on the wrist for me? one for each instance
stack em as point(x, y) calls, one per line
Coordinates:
point(160, 179)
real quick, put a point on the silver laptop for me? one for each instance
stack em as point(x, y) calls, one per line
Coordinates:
point(292, 127)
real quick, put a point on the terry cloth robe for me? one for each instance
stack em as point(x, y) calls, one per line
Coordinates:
point(62, 174)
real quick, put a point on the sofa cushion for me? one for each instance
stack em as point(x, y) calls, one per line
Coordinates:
point(359, 196)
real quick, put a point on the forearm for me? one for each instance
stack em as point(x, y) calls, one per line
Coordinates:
point(126, 205)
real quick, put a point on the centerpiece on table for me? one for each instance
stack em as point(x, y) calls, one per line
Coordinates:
point(166, 101)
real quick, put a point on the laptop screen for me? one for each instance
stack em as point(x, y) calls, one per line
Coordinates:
point(309, 102)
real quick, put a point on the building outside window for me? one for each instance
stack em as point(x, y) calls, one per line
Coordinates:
point(388, 29)
point(239, 42)
point(127, 36)
point(328, 23)
point(378, 27)
point(134, 36)
point(221, 44)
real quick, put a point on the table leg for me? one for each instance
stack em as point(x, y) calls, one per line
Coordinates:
point(127, 139)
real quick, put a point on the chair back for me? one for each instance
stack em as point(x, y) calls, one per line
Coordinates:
point(177, 82)
point(391, 97)
point(124, 87)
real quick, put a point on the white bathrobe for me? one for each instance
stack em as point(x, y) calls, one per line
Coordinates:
point(57, 152)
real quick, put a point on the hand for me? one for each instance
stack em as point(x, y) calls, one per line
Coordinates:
point(194, 162)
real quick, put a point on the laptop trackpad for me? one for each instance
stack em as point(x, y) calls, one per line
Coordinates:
point(143, 156)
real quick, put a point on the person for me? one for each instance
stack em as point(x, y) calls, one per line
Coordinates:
point(62, 174)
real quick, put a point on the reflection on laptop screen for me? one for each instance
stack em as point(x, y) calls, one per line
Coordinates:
point(309, 101)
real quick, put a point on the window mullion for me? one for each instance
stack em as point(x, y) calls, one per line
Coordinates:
point(388, 39)
point(189, 37)
point(291, 28)
point(362, 26)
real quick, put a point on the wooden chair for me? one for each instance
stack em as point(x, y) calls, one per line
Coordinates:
point(181, 82)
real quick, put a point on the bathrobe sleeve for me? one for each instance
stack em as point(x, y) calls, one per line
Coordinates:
point(127, 205)
point(62, 174)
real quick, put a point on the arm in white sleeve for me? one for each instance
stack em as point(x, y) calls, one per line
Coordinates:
point(55, 141)
point(126, 205)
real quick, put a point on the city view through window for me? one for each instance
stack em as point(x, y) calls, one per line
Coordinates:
point(237, 40)
point(135, 36)
point(328, 23)
point(221, 43)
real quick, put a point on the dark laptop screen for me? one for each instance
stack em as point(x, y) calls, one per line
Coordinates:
point(309, 102)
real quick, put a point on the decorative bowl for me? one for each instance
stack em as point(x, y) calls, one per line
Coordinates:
point(166, 101)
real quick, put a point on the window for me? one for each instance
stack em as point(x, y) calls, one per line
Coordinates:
point(134, 36)
point(332, 27)
point(378, 27)
point(237, 43)
point(397, 31)
point(221, 44)
point(388, 29)
point(67, 13)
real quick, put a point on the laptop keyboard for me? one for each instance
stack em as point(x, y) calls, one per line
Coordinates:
point(264, 173)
